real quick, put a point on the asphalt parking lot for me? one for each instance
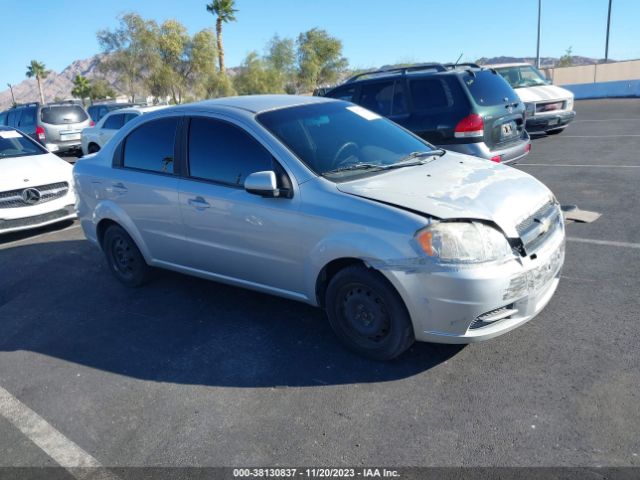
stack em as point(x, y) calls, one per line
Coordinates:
point(185, 372)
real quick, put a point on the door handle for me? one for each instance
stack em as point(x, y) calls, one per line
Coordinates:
point(198, 203)
point(119, 187)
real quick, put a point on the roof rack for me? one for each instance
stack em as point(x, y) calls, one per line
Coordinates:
point(451, 66)
point(403, 70)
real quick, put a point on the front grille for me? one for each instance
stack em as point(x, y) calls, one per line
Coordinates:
point(493, 316)
point(52, 191)
point(536, 228)
point(36, 219)
point(549, 107)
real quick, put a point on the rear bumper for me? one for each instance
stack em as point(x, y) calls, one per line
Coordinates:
point(512, 153)
point(546, 122)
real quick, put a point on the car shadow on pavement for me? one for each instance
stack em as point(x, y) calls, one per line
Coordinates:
point(59, 299)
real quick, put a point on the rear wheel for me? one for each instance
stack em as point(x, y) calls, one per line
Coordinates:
point(93, 148)
point(124, 258)
point(367, 314)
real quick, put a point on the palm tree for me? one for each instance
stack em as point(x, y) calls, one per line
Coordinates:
point(81, 88)
point(224, 11)
point(38, 70)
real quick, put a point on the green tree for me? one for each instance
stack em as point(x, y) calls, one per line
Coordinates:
point(566, 60)
point(183, 63)
point(218, 85)
point(224, 12)
point(320, 59)
point(81, 88)
point(281, 58)
point(100, 89)
point(255, 77)
point(37, 69)
point(129, 50)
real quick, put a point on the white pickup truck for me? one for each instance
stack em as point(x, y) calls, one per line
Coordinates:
point(549, 108)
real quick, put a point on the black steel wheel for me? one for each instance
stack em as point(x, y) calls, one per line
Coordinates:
point(367, 313)
point(124, 258)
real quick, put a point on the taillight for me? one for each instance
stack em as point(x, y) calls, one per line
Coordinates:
point(527, 148)
point(496, 158)
point(471, 126)
point(40, 133)
point(92, 123)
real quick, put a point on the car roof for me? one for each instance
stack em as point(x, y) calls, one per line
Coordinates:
point(257, 103)
point(119, 111)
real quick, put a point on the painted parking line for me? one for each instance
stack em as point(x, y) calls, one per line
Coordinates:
point(579, 165)
point(609, 243)
point(606, 120)
point(63, 451)
point(599, 136)
point(27, 239)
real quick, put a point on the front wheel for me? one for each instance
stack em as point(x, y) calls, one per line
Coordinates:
point(124, 258)
point(367, 314)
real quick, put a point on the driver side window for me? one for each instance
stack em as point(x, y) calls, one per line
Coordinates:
point(223, 153)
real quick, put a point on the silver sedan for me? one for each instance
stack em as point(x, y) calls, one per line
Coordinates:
point(324, 202)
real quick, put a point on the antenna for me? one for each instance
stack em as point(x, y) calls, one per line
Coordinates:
point(454, 65)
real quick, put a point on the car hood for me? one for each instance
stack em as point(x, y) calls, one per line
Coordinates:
point(543, 93)
point(33, 170)
point(457, 187)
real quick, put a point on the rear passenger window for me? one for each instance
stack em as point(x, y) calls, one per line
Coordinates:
point(128, 117)
point(28, 118)
point(224, 153)
point(345, 93)
point(430, 93)
point(114, 122)
point(399, 106)
point(3, 118)
point(377, 97)
point(11, 118)
point(151, 146)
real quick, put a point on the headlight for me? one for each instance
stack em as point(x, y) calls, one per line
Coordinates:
point(570, 104)
point(530, 109)
point(463, 242)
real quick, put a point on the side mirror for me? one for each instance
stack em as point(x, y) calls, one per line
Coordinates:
point(263, 184)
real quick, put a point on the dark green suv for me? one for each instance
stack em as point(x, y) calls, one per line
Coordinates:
point(464, 107)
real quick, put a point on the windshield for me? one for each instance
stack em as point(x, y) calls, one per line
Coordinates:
point(338, 139)
point(14, 144)
point(522, 76)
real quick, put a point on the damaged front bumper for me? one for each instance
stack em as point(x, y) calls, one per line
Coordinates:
point(475, 303)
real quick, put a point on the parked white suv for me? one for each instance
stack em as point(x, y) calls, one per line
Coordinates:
point(549, 108)
point(36, 187)
point(94, 138)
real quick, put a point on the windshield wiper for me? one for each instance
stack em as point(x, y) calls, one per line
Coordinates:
point(405, 161)
point(355, 166)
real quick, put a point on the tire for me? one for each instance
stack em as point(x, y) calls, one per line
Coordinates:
point(93, 148)
point(367, 314)
point(124, 258)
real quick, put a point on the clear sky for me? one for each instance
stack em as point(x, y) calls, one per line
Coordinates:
point(373, 32)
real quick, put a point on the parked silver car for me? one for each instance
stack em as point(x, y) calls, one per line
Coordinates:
point(322, 201)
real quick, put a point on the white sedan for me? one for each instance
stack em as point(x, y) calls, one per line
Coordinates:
point(94, 138)
point(36, 187)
